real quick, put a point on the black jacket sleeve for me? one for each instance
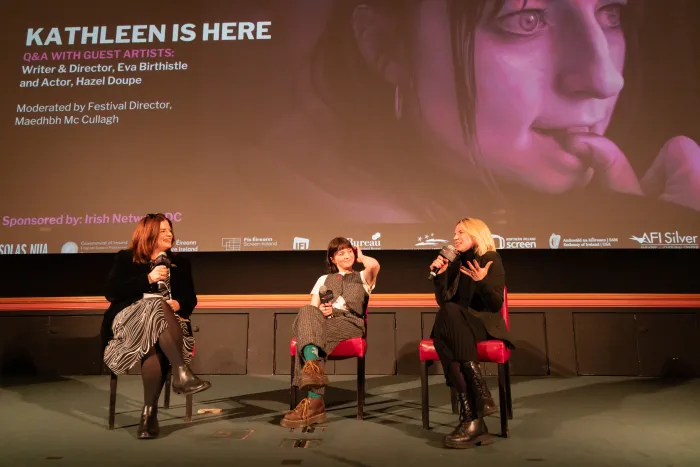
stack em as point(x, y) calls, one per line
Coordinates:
point(445, 284)
point(490, 288)
point(124, 279)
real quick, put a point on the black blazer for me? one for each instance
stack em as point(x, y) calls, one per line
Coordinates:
point(483, 298)
point(128, 281)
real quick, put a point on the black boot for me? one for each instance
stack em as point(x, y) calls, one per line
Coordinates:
point(148, 426)
point(153, 422)
point(484, 401)
point(471, 431)
point(187, 382)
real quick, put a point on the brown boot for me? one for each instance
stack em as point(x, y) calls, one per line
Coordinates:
point(308, 412)
point(313, 375)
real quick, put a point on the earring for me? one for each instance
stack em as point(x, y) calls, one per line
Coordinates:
point(398, 103)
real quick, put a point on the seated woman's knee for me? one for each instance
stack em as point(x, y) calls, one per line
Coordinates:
point(451, 309)
point(307, 312)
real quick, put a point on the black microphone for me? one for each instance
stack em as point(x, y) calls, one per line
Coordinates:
point(326, 296)
point(162, 260)
point(449, 253)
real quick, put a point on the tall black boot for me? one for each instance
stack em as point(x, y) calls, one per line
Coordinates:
point(471, 431)
point(187, 382)
point(484, 401)
point(148, 425)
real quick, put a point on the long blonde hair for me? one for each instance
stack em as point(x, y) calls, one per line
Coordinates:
point(480, 234)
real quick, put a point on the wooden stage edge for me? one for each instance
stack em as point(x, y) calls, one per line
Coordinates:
point(515, 300)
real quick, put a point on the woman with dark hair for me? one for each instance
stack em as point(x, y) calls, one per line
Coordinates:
point(470, 292)
point(338, 304)
point(517, 109)
point(151, 296)
point(511, 94)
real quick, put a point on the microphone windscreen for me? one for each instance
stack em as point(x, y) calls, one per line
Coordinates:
point(449, 253)
point(162, 259)
point(325, 294)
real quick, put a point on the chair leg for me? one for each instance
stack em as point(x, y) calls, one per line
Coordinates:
point(112, 399)
point(424, 403)
point(168, 383)
point(509, 398)
point(360, 387)
point(188, 408)
point(292, 389)
point(503, 399)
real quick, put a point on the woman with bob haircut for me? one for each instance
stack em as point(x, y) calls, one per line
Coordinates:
point(338, 304)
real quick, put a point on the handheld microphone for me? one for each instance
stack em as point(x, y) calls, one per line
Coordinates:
point(449, 253)
point(326, 296)
point(162, 260)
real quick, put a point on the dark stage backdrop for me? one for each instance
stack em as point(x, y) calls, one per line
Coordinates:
point(543, 271)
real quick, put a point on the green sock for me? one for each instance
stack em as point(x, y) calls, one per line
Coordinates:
point(311, 353)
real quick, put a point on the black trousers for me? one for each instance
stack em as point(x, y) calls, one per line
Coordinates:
point(455, 335)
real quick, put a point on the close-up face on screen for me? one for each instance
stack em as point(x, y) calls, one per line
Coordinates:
point(277, 124)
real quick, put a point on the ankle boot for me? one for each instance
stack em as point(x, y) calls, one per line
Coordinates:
point(153, 421)
point(313, 375)
point(484, 401)
point(187, 382)
point(148, 425)
point(307, 412)
point(471, 431)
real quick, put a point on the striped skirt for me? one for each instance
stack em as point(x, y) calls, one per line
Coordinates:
point(136, 329)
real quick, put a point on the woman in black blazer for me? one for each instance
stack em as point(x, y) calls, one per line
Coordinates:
point(470, 294)
point(152, 297)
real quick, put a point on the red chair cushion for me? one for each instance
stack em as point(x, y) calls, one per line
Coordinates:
point(355, 347)
point(488, 351)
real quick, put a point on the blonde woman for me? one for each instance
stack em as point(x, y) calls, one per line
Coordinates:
point(470, 294)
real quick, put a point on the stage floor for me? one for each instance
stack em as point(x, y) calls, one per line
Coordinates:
point(577, 421)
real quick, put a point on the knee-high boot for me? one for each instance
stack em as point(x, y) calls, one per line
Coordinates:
point(484, 401)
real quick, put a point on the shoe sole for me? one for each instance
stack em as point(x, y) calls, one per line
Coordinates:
point(203, 387)
point(320, 418)
point(482, 440)
point(314, 383)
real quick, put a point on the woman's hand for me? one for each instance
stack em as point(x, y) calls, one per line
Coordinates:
point(159, 273)
point(675, 174)
point(610, 166)
point(326, 309)
point(475, 271)
point(440, 263)
point(174, 304)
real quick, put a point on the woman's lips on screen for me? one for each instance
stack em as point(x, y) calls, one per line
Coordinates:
point(560, 134)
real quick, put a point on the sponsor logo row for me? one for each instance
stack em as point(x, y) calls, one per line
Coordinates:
point(645, 240)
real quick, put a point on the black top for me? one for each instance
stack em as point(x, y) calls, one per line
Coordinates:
point(128, 281)
point(484, 295)
point(483, 298)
